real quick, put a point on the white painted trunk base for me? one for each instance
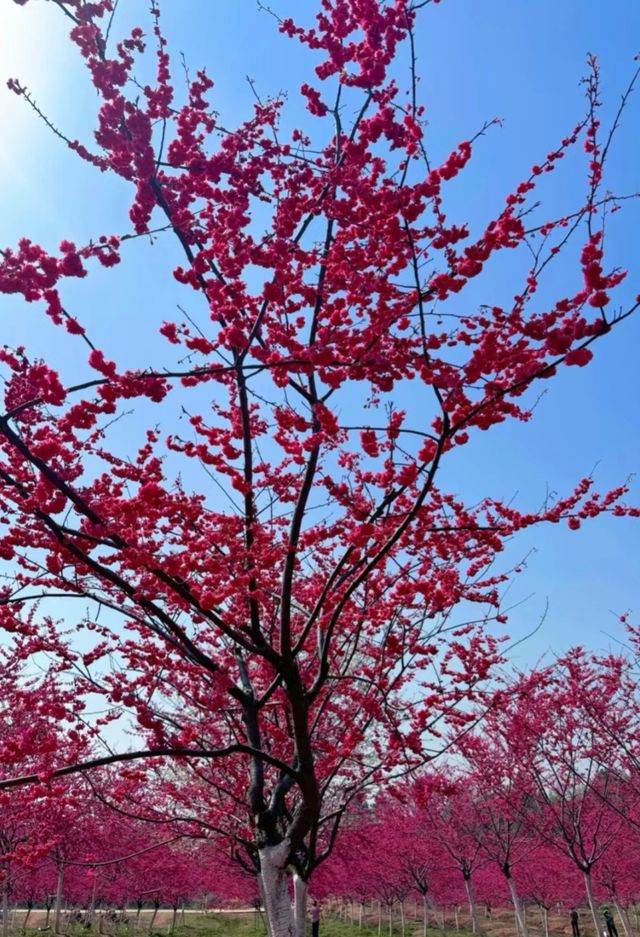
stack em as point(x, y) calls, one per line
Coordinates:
point(277, 903)
point(592, 903)
point(521, 924)
point(472, 905)
point(300, 895)
point(624, 918)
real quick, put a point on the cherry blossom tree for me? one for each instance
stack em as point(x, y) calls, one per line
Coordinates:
point(501, 798)
point(39, 724)
point(549, 877)
point(542, 869)
point(543, 723)
point(275, 559)
point(447, 816)
point(610, 705)
point(617, 875)
point(420, 856)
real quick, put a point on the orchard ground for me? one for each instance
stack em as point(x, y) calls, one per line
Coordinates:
point(248, 923)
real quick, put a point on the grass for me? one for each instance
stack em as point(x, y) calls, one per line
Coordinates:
point(332, 927)
point(236, 925)
point(251, 925)
point(196, 925)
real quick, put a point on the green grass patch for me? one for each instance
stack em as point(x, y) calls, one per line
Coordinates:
point(233, 925)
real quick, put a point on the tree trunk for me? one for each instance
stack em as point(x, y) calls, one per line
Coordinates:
point(360, 914)
point(390, 919)
point(425, 915)
point(402, 928)
point(457, 919)
point(92, 904)
point(27, 915)
point(437, 916)
point(273, 872)
point(586, 874)
point(521, 925)
point(300, 896)
point(5, 907)
point(156, 905)
point(174, 918)
point(545, 920)
point(58, 904)
point(472, 905)
point(624, 917)
point(262, 906)
point(379, 919)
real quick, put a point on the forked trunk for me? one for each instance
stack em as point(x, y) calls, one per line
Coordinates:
point(300, 895)
point(472, 905)
point(586, 874)
point(277, 903)
point(521, 924)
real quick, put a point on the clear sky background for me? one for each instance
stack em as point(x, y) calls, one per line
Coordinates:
point(517, 60)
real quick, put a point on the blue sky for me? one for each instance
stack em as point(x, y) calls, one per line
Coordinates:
point(479, 59)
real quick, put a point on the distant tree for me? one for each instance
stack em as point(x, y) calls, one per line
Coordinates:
point(446, 815)
point(543, 721)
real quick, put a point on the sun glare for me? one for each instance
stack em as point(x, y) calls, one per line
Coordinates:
point(29, 53)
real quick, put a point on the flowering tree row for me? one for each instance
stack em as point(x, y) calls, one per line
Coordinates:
point(540, 804)
point(82, 858)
